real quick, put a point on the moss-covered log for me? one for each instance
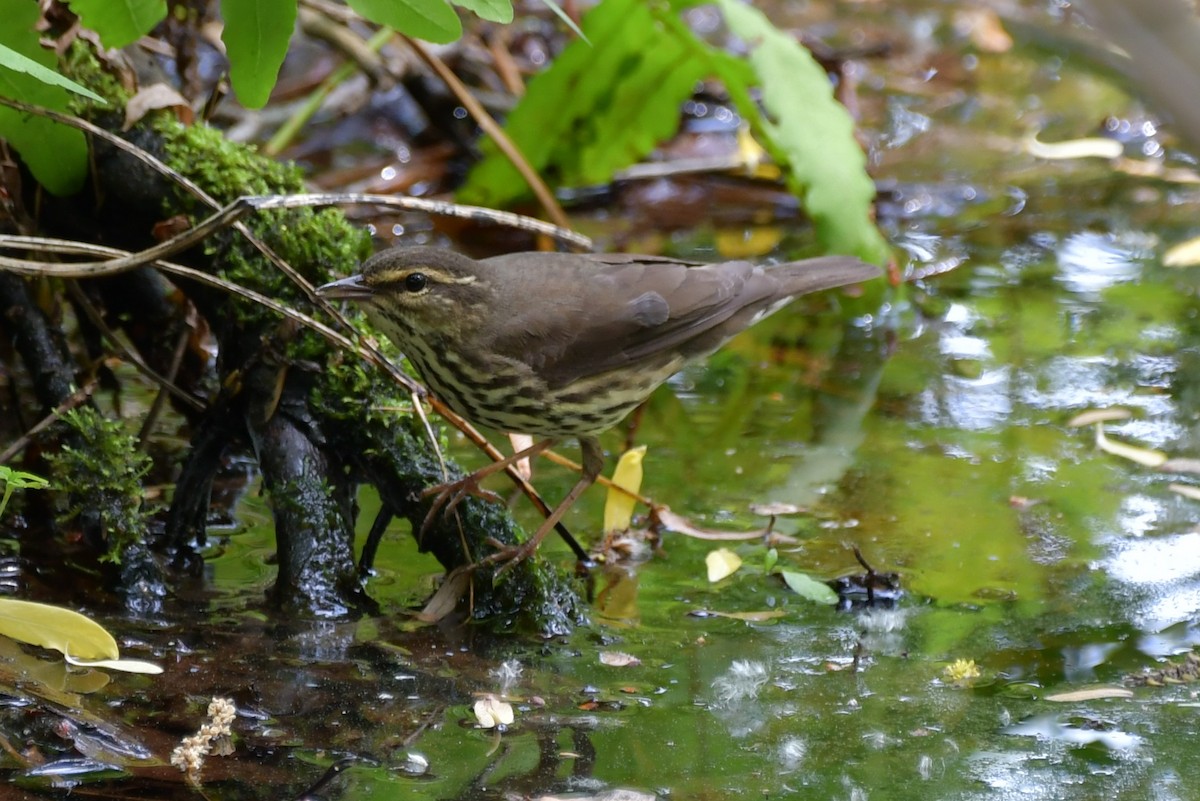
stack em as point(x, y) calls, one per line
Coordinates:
point(311, 417)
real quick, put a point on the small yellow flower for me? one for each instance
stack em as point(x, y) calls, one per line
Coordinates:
point(962, 672)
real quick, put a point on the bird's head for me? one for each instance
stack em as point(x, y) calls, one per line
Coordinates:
point(416, 292)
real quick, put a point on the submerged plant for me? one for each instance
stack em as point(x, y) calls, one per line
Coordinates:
point(16, 479)
point(101, 474)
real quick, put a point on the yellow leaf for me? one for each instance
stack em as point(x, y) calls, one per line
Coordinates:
point(57, 628)
point(1186, 490)
point(722, 563)
point(1185, 254)
point(1094, 147)
point(1093, 416)
point(618, 506)
point(747, 243)
point(1143, 456)
point(755, 160)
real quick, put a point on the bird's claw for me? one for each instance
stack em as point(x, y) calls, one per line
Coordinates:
point(508, 556)
point(449, 495)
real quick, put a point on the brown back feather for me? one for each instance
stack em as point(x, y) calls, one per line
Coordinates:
point(615, 310)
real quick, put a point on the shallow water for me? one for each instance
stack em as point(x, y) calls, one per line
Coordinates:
point(931, 435)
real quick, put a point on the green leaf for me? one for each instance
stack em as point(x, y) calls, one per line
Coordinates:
point(432, 20)
point(808, 132)
point(119, 22)
point(54, 627)
point(15, 61)
point(19, 479)
point(56, 154)
point(491, 10)
point(256, 37)
point(770, 559)
point(808, 587)
point(565, 17)
point(598, 108)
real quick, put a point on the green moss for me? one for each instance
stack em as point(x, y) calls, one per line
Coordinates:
point(81, 65)
point(102, 478)
point(317, 243)
point(224, 169)
point(313, 241)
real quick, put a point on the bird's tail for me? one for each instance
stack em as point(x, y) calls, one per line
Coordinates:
point(827, 272)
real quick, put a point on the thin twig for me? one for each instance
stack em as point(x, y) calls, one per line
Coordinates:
point(152, 415)
point(493, 129)
point(96, 319)
point(506, 67)
point(604, 481)
point(77, 397)
point(363, 54)
point(242, 206)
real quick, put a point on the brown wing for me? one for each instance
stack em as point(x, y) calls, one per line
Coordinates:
point(597, 313)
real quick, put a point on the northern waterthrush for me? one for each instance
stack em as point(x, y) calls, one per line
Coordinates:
point(565, 345)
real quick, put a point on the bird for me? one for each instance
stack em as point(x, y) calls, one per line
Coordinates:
point(564, 345)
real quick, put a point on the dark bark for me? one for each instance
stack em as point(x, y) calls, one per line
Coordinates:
point(37, 343)
point(317, 575)
point(397, 460)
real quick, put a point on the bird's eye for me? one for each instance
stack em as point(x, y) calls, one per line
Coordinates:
point(415, 282)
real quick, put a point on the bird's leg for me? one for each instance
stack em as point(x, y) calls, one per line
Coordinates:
point(366, 562)
point(451, 493)
point(593, 463)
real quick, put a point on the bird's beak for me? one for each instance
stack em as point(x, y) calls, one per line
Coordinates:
point(351, 288)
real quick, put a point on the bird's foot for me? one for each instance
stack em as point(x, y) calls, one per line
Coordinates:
point(447, 496)
point(509, 556)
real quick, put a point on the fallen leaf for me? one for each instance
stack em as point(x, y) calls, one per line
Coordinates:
point(749, 617)
point(1180, 465)
point(491, 712)
point(1093, 694)
point(985, 29)
point(618, 505)
point(1098, 416)
point(54, 627)
point(1186, 490)
point(775, 509)
point(722, 563)
point(519, 443)
point(1143, 456)
point(808, 587)
point(1022, 503)
point(618, 659)
point(446, 599)
point(681, 525)
point(1091, 147)
point(1185, 254)
point(155, 96)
